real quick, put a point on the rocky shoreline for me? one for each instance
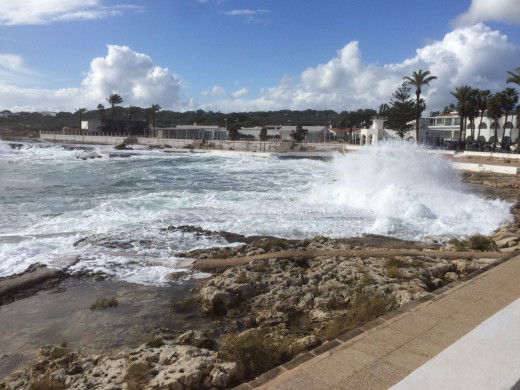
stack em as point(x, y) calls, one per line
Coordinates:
point(271, 299)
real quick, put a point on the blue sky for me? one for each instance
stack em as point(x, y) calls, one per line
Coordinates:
point(242, 55)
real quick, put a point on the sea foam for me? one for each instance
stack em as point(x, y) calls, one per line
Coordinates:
point(52, 198)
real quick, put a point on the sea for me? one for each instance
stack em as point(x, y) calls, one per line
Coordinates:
point(55, 199)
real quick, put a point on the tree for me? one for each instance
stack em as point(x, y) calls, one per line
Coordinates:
point(509, 98)
point(299, 134)
point(130, 111)
point(515, 76)
point(80, 112)
point(263, 134)
point(233, 133)
point(481, 102)
point(401, 111)
point(417, 80)
point(464, 95)
point(102, 114)
point(154, 109)
point(449, 108)
point(473, 111)
point(494, 109)
point(113, 99)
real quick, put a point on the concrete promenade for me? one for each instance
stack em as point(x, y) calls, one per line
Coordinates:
point(458, 337)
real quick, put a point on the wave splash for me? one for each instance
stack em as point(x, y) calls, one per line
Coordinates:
point(412, 193)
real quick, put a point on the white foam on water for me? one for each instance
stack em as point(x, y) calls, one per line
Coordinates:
point(410, 194)
point(50, 198)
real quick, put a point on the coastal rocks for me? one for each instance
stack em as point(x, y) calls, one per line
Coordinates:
point(195, 338)
point(276, 290)
point(171, 366)
point(35, 278)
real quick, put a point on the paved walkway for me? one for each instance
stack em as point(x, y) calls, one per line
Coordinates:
point(384, 352)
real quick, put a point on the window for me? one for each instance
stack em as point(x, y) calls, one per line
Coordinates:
point(457, 121)
point(447, 121)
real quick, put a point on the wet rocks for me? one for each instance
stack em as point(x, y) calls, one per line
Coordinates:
point(35, 278)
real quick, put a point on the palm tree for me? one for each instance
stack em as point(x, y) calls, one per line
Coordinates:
point(473, 112)
point(515, 77)
point(464, 95)
point(494, 109)
point(130, 111)
point(155, 108)
point(114, 99)
point(481, 102)
point(80, 112)
point(102, 114)
point(509, 97)
point(417, 80)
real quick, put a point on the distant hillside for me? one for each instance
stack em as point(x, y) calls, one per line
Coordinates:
point(16, 125)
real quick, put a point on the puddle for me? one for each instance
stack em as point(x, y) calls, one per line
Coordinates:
point(64, 315)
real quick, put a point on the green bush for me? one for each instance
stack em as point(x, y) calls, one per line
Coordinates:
point(459, 245)
point(104, 303)
point(481, 243)
point(155, 342)
point(363, 308)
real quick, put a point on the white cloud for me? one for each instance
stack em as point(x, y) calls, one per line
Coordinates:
point(16, 12)
point(245, 12)
point(474, 55)
point(11, 62)
point(507, 11)
point(215, 91)
point(241, 92)
point(132, 75)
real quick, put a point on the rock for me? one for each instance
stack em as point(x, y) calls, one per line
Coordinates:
point(217, 301)
point(195, 338)
point(451, 276)
point(308, 342)
point(319, 315)
point(59, 375)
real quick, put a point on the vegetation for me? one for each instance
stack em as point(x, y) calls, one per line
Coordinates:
point(56, 352)
point(363, 308)
point(256, 351)
point(465, 103)
point(494, 110)
point(137, 375)
point(46, 383)
point(299, 134)
point(104, 303)
point(476, 243)
point(393, 267)
point(418, 80)
point(187, 304)
point(400, 111)
point(155, 342)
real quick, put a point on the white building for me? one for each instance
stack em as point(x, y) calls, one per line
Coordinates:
point(436, 129)
point(449, 126)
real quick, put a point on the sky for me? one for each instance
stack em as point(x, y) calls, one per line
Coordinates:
point(249, 55)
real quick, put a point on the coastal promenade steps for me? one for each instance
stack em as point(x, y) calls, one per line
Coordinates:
point(460, 337)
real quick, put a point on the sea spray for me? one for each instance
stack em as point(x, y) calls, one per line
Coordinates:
point(411, 193)
point(51, 198)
